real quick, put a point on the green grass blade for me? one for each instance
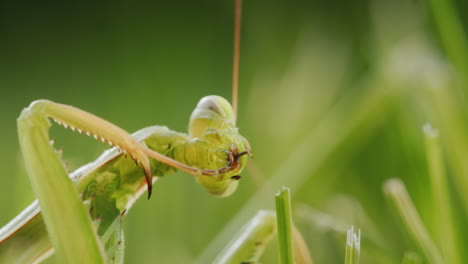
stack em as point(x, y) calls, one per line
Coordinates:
point(451, 121)
point(397, 194)
point(353, 246)
point(444, 226)
point(69, 226)
point(452, 35)
point(284, 221)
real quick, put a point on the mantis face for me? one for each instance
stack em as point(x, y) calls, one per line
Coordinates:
point(212, 124)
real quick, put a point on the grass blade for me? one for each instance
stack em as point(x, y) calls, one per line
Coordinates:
point(397, 194)
point(452, 35)
point(353, 246)
point(284, 221)
point(443, 216)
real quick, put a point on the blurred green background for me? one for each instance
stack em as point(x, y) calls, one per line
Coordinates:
point(333, 98)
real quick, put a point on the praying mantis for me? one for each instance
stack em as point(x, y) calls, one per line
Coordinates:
point(213, 152)
point(113, 182)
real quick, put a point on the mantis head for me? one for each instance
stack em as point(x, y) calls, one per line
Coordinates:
point(212, 124)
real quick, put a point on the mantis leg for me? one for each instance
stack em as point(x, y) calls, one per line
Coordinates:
point(84, 122)
point(66, 218)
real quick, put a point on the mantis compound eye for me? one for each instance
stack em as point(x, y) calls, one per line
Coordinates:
point(211, 112)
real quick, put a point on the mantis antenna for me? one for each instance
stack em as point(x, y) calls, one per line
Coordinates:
point(235, 62)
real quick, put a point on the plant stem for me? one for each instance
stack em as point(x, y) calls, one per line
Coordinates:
point(396, 192)
point(443, 215)
point(452, 35)
point(284, 222)
point(353, 246)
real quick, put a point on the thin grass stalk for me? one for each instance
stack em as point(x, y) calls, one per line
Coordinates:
point(452, 35)
point(397, 194)
point(284, 223)
point(444, 226)
point(353, 246)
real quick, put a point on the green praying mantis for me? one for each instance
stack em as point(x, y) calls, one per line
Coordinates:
point(213, 152)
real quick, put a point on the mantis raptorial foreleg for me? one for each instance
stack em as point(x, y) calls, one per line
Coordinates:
point(47, 175)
